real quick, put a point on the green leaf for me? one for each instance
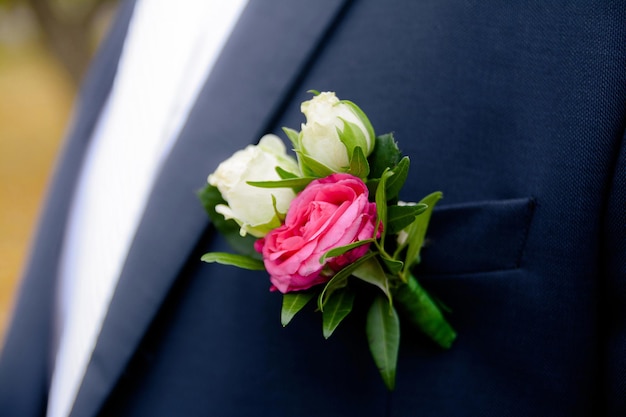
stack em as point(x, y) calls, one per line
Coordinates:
point(372, 185)
point(424, 313)
point(358, 164)
point(340, 250)
point(371, 272)
point(417, 231)
point(293, 136)
point(280, 216)
point(297, 183)
point(340, 280)
point(381, 204)
point(210, 197)
point(310, 166)
point(383, 335)
point(292, 303)
point(240, 261)
point(337, 308)
point(385, 155)
point(351, 136)
point(393, 265)
point(395, 183)
point(284, 174)
point(399, 217)
point(364, 119)
point(314, 92)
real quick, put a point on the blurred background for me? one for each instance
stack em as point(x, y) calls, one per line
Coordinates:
point(45, 48)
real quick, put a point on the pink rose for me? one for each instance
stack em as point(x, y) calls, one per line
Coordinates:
point(330, 212)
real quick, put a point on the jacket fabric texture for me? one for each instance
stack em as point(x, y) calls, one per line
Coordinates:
point(515, 110)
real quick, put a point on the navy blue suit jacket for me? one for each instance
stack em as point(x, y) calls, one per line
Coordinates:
point(515, 110)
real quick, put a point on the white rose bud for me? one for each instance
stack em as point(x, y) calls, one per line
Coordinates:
point(252, 207)
point(332, 131)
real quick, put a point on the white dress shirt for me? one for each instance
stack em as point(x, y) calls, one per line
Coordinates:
point(168, 52)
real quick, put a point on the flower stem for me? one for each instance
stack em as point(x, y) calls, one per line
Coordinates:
point(424, 312)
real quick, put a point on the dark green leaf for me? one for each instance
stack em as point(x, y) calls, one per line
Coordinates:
point(372, 185)
point(340, 280)
point(371, 272)
point(336, 283)
point(393, 265)
point(399, 217)
point(240, 261)
point(395, 183)
point(292, 303)
point(385, 155)
point(337, 308)
point(383, 335)
point(210, 197)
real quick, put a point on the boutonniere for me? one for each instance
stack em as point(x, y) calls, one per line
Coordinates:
point(330, 217)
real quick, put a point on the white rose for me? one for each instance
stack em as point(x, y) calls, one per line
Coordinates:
point(325, 138)
point(252, 207)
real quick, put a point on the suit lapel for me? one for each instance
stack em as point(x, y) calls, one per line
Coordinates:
point(262, 61)
point(27, 351)
point(90, 102)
